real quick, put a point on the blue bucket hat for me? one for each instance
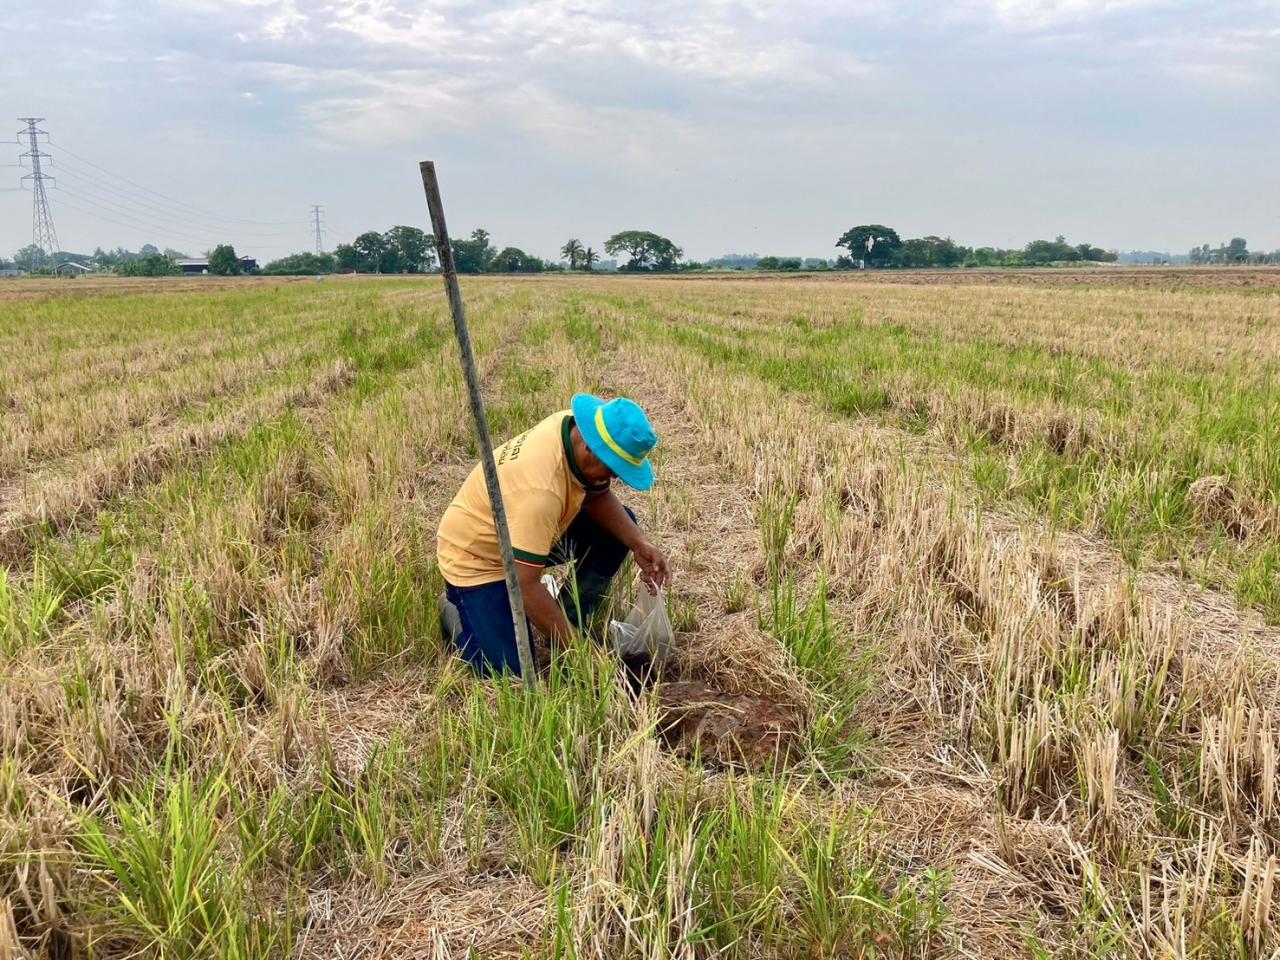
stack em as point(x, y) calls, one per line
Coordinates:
point(618, 433)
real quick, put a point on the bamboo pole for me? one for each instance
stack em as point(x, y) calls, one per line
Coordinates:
point(445, 252)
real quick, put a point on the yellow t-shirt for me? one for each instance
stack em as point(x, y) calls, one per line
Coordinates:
point(542, 490)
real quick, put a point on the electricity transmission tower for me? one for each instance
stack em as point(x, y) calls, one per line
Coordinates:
point(317, 227)
point(42, 233)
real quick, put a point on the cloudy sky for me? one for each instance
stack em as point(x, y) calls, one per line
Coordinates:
point(744, 126)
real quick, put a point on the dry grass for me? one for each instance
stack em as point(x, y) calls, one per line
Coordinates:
point(228, 728)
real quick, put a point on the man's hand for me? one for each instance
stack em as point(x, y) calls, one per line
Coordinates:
point(653, 565)
point(540, 607)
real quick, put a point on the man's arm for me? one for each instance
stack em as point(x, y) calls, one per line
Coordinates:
point(540, 607)
point(607, 510)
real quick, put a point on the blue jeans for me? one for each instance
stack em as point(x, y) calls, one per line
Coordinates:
point(488, 638)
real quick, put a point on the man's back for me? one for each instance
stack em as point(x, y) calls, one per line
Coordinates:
point(542, 495)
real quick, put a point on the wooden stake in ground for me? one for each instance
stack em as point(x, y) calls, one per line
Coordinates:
point(445, 251)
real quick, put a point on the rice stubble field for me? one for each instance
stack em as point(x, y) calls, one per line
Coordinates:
point(1008, 545)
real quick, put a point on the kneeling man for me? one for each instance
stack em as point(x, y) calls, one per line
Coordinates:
point(556, 486)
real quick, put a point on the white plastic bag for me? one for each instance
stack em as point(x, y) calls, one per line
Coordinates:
point(646, 633)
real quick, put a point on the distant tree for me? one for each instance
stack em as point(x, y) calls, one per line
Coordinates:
point(148, 250)
point(1237, 250)
point(571, 251)
point(474, 255)
point(872, 243)
point(645, 250)
point(407, 250)
point(982, 257)
point(173, 254)
point(778, 263)
point(152, 265)
point(1042, 252)
point(928, 251)
point(372, 254)
point(401, 249)
point(666, 255)
point(634, 243)
point(30, 257)
point(346, 257)
point(947, 253)
point(110, 258)
point(589, 259)
point(515, 260)
point(302, 265)
point(910, 253)
point(222, 261)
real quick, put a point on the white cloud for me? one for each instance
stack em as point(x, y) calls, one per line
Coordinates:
point(399, 108)
point(1046, 14)
point(389, 23)
point(563, 75)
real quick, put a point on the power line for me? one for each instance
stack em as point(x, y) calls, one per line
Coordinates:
point(90, 189)
point(113, 198)
point(122, 218)
point(121, 196)
point(158, 234)
point(43, 236)
point(317, 228)
point(95, 199)
point(172, 200)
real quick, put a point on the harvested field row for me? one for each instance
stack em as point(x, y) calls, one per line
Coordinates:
point(38, 290)
point(1177, 278)
point(73, 424)
point(137, 356)
point(950, 742)
point(83, 417)
point(1131, 329)
point(50, 500)
point(1175, 468)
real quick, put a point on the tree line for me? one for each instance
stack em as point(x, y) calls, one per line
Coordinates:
point(410, 250)
point(875, 245)
point(1237, 251)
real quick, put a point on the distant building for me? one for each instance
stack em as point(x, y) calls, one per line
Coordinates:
point(73, 268)
point(11, 272)
point(201, 265)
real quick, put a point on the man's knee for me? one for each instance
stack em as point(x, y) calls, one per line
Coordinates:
point(486, 636)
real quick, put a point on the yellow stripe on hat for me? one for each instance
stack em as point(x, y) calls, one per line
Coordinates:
point(613, 444)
